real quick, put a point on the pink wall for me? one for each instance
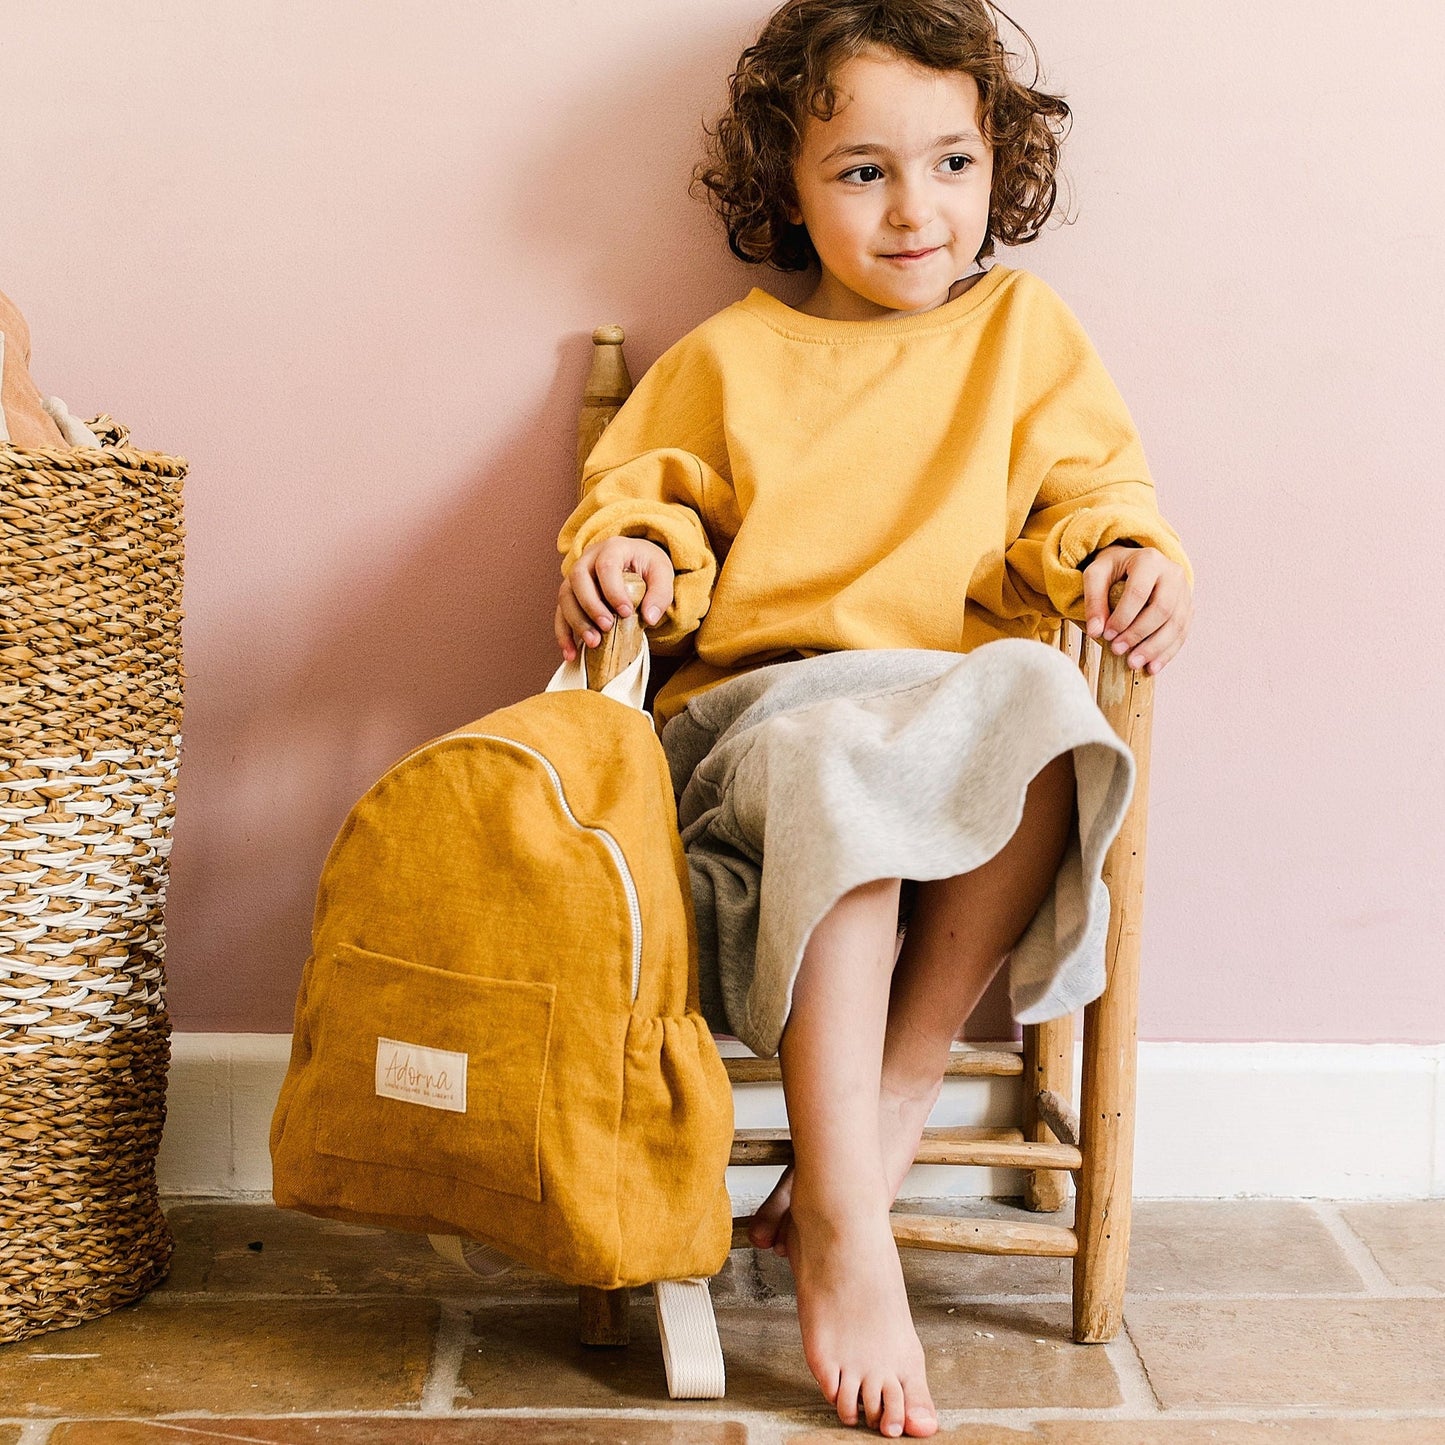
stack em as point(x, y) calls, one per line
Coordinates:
point(346, 258)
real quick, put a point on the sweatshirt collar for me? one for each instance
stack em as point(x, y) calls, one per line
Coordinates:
point(798, 324)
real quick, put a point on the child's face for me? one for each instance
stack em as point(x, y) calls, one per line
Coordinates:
point(894, 189)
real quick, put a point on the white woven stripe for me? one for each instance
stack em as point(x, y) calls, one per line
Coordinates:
point(81, 933)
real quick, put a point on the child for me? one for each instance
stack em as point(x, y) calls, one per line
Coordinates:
point(925, 455)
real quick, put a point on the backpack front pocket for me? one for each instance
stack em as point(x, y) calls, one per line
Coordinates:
point(427, 1070)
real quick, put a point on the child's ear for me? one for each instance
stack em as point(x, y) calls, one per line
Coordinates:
point(791, 209)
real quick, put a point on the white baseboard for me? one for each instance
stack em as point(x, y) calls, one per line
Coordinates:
point(1215, 1121)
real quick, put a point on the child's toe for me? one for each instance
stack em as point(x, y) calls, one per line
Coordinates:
point(827, 1381)
point(920, 1419)
point(872, 1396)
point(892, 1415)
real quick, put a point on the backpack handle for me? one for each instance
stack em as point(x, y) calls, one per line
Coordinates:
point(620, 666)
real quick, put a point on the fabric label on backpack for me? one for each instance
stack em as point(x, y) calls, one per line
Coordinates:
point(434, 1077)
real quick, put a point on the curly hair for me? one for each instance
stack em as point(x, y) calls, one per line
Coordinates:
point(787, 75)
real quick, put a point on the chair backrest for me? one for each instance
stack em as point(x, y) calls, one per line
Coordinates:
point(608, 386)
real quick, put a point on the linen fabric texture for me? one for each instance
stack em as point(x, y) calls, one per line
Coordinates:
point(927, 481)
point(856, 766)
point(474, 939)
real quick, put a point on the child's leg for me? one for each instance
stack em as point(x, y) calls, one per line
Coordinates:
point(960, 934)
point(858, 1335)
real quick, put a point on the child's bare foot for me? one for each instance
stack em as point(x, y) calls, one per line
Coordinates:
point(858, 1334)
point(768, 1228)
point(901, 1120)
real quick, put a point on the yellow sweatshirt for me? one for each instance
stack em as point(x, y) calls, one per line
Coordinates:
point(930, 480)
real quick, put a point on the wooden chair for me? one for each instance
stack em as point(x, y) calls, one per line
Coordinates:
point(1095, 1145)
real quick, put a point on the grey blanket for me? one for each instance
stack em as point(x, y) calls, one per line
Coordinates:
point(800, 781)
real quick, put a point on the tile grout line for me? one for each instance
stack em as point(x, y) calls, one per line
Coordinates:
point(454, 1329)
point(1130, 1371)
point(1378, 1284)
point(766, 1431)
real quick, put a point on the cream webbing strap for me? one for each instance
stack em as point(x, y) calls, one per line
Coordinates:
point(691, 1351)
point(629, 686)
point(481, 1259)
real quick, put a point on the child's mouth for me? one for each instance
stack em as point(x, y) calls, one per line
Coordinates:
point(910, 255)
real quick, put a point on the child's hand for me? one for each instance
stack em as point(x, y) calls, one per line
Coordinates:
point(1153, 614)
point(592, 591)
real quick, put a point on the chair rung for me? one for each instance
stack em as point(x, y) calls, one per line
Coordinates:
point(963, 1144)
point(964, 1064)
point(957, 1235)
point(983, 1236)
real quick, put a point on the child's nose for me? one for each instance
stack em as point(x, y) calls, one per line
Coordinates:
point(910, 208)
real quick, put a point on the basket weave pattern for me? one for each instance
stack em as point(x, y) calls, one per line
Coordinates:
point(90, 712)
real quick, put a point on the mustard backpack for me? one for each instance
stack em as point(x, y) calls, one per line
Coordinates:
point(497, 1033)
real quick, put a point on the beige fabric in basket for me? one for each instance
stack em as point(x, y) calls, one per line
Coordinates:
point(23, 420)
point(75, 431)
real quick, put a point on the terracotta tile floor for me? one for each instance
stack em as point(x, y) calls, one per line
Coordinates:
point(1247, 1323)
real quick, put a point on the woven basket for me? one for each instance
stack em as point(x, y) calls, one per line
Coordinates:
point(90, 712)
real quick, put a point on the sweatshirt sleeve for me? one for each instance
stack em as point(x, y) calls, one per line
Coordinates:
point(660, 472)
point(1078, 457)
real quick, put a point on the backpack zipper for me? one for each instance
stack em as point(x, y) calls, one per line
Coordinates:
point(629, 886)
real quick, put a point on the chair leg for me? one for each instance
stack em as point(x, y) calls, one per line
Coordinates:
point(1048, 1064)
point(602, 1315)
point(1103, 1210)
point(1102, 1213)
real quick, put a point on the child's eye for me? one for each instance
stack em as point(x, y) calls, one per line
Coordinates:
point(863, 175)
point(955, 164)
